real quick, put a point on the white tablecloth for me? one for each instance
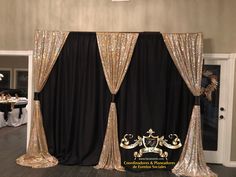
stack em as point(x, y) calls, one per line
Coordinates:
point(3, 123)
point(13, 116)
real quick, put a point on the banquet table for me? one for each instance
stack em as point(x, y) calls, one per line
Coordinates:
point(13, 112)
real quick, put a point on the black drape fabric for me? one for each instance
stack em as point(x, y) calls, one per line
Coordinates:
point(153, 95)
point(75, 100)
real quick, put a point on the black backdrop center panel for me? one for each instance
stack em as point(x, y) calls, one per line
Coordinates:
point(75, 100)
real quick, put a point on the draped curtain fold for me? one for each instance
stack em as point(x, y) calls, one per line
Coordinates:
point(186, 52)
point(75, 100)
point(116, 50)
point(48, 45)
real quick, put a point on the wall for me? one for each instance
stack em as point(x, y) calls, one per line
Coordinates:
point(215, 18)
point(14, 62)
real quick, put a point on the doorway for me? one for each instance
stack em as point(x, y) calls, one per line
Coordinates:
point(21, 73)
point(217, 107)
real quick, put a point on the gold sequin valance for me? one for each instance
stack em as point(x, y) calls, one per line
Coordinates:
point(186, 51)
point(116, 50)
point(48, 45)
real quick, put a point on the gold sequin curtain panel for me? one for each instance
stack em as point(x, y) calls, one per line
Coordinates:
point(48, 45)
point(186, 51)
point(116, 50)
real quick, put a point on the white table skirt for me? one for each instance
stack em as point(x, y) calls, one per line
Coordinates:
point(13, 118)
point(3, 123)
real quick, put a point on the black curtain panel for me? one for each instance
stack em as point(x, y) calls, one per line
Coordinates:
point(75, 100)
point(153, 95)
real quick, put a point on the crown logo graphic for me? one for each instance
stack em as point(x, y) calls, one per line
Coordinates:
point(151, 144)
